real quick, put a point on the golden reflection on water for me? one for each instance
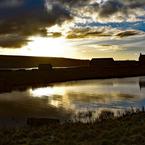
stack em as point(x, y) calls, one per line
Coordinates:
point(85, 95)
point(77, 96)
point(47, 91)
point(57, 96)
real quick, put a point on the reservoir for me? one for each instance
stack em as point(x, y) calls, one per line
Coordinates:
point(61, 99)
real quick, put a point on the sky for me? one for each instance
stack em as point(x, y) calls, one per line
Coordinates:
point(81, 29)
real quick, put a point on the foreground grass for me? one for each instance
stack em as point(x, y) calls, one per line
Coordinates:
point(129, 129)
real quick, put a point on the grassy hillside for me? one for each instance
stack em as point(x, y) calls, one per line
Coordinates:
point(7, 61)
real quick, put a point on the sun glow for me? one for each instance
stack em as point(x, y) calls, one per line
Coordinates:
point(41, 46)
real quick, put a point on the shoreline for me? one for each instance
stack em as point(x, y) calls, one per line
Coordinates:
point(15, 79)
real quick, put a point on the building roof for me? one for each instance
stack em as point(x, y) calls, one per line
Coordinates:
point(141, 57)
point(102, 59)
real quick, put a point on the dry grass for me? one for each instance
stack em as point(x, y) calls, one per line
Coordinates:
point(128, 129)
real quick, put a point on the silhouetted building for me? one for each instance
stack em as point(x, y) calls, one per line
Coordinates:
point(142, 58)
point(142, 83)
point(127, 63)
point(45, 67)
point(102, 62)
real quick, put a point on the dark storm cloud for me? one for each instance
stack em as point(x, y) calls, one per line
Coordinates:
point(79, 33)
point(29, 19)
point(111, 7)
point(86, 33)
point(26, 18)
point(57, 14)
point(127, 33)
point(54, 34)
point(76, 3)
point(135, 5)
point(10, 3)
point(12, 41)
point(105, 8)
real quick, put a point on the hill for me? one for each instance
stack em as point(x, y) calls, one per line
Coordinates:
point(8, 61)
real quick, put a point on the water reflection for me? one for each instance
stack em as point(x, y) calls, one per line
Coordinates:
point(92, 94)
point(57, 99)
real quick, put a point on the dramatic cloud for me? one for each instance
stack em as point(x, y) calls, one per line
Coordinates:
point(133, 41)
point(54, 34)
point(79, 33)
point(10, 3)
point(119, 10)
point(127, 33)
point(110, 7)
point(8, 41)
point(87, 33)
point(119, 48)
point(25, 18)
point(123, 7)
point(57, 12)
point(28, 20)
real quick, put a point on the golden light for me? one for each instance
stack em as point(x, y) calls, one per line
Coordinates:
point(41, 92)
point(55, 103)
point(75, 95)
point(45, 46)
point(52, 93)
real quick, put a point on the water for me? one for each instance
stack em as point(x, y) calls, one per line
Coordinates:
point(58, 100)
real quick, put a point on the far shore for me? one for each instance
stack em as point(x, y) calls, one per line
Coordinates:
point(53, 70)
point(15, 79)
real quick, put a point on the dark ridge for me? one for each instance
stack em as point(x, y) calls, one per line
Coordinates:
point(8, 61)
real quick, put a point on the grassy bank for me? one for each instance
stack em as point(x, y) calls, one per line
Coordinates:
point(128, 129)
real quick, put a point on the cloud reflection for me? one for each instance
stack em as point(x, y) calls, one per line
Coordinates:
point(101, 94)
point(57, 100)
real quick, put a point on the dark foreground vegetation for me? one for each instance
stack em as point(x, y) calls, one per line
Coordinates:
point(128, 129)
